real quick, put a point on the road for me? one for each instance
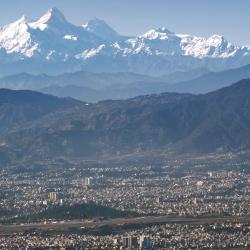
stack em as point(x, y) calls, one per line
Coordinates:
point(62, 226)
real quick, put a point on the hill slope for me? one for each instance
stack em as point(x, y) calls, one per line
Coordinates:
point(92, 87)
point(155, 123)
point(211, 81)
point(19, 107)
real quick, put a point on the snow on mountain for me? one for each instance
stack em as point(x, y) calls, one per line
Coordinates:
point(52, 19)
point(50, 37)
point(15, 38)
point(214, 46)
point(101, 29)
point(164, 42)
point(57, 45)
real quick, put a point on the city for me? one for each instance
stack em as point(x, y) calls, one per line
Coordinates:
point(179, 209)
point(124, 125)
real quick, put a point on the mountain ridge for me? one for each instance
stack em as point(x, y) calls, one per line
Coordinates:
point(56, 46)
point(93, 87)
point(162, 123)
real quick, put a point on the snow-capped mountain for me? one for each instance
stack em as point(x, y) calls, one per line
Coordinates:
point(166, 42)
point(53, 45)
point(102, 29)
point(50, 38)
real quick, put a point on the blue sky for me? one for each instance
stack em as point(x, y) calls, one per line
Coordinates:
point(198, 17)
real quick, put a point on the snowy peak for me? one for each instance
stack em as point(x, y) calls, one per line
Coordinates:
point(15, 36)
point(53, 13)
point(95, 23)
point(217, 40)
point(15, 26)
point(95, 46)
point(101, 29)
point(159, 34)
point(165, 42)
point(22, 20)
point(215, 46)
point(52, 17)
point(51, 37)
point(164, 30)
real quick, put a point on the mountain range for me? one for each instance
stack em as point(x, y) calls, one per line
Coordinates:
point(93, 87)
point(86, 92)
point(38, 126)
point(52, 45)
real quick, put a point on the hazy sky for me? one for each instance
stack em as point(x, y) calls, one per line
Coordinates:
point(230, 18)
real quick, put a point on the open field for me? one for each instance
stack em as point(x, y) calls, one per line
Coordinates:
point(63, 226)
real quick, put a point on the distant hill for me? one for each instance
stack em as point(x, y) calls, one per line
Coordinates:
point(211, 81)
point(183, 76)
point(19, 107)
point(93, 87)
point(177, 123)
point(81, 211)
point(91, 80)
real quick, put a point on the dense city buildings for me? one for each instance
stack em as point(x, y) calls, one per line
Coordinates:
point(48, 198)
point(167, 236)
point(52, 197)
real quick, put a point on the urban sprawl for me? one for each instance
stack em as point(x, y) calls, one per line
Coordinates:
point(148, 192)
